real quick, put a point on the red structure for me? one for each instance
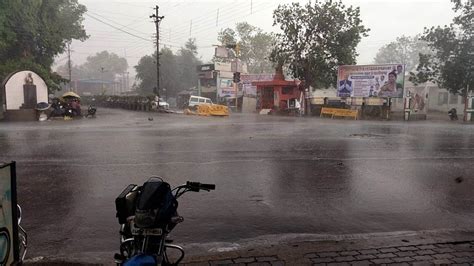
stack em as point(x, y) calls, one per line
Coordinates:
point(278, 95)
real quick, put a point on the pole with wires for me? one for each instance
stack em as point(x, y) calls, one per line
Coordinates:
point(157, 20)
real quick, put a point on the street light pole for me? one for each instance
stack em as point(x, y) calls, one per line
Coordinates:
point(127, 82)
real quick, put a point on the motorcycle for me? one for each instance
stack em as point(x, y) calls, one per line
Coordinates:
point(22, 236)
point(146, 215)
point(453, 114)
point(5, 242)
point(91, 111)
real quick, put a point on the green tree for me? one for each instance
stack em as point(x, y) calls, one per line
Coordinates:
point(177, 71)
point(258, 60)
point(316, 38)
point(404, 50)
point(170, 79)
point(101, 66)
point(254, 46)
point(146, 74)
point(452, 65)
point(188, 61)
point(227, 36)
point(33, 32)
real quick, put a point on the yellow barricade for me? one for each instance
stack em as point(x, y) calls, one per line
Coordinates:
point(339, 112)
point(214, 110)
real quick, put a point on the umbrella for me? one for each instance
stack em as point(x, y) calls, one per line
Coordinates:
point(70, 94)
point(42, 106)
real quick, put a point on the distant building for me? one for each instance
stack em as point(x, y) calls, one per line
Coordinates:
point(216, 80)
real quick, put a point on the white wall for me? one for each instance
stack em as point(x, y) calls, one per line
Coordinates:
point(323, 92)
point(14, 90)
point(249, 105)
point(441, 100)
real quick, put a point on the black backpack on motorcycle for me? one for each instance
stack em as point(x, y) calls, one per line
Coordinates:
point(156, 204)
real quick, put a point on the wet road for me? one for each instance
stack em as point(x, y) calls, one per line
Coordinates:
point(274, 175)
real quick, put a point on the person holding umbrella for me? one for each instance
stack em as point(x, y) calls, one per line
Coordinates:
point(76, 107)
point(73, 102)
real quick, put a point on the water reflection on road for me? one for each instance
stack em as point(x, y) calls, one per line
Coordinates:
point(273, 175)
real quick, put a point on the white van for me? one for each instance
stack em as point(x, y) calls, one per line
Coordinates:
point(197, 100)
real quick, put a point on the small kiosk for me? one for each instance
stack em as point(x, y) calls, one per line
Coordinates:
point(278, 95)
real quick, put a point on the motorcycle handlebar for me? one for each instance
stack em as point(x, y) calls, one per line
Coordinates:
point(196, 186)
point(208, 186)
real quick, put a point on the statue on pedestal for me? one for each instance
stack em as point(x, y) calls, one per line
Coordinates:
point(29, 93)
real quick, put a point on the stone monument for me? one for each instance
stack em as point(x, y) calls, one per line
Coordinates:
point(29, 93)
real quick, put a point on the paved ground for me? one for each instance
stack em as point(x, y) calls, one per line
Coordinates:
point(455, 253)
point(403, 248)
point(461, 253)
point(277, 177)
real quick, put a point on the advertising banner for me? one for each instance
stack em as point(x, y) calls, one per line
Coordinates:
point(371, 80)
point(9, 244)
point(226, 88)
point(418, 99)
point(221, 52)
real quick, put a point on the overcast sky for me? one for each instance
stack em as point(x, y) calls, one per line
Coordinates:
point(124, 27)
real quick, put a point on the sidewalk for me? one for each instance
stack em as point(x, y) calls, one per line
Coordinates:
point(440, 247)
point(408, 248)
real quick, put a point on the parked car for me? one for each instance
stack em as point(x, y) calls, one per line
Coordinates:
point(197, 100)
point(164, 104)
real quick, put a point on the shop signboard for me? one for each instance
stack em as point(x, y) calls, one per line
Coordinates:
point(226, 88)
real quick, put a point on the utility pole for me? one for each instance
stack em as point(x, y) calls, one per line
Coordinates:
point(157, 20)
point(69, 63)
point(467, 105)
point(127, 86)
point(102, 78)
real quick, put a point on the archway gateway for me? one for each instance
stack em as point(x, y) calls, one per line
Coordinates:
point(21, 91)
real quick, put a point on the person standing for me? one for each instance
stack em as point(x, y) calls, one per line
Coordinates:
point(400, 76)
point(345, 87)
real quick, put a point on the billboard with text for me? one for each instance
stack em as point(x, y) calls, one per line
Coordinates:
point(226, 88)
point(371, 80)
